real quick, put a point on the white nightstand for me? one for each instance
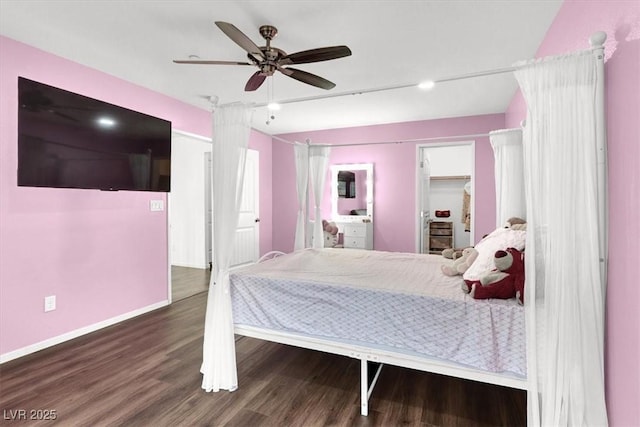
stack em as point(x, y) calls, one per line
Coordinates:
point(358, 235)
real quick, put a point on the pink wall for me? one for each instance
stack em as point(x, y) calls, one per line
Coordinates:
point(102, 254)
point(395, 176)
point(570, 31)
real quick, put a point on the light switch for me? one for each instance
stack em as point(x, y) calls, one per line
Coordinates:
point(156, 205)
point(50, 303)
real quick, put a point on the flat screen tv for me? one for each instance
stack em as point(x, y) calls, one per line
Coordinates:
point(66, 140)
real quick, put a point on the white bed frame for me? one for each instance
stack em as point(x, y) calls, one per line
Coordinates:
point(426, 364)
point(367, 354)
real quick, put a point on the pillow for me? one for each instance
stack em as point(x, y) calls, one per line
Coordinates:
point(499, 239)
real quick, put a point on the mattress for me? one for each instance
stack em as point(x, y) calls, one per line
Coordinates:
point(393, 301)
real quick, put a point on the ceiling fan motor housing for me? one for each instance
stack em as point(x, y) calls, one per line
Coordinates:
point(269, 32)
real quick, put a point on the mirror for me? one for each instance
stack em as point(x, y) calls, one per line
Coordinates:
point(352, 192)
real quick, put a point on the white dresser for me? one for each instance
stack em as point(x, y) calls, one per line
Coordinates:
point(358, 235)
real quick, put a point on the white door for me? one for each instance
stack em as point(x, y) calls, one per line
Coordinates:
point(246, 245)
point(425, 189)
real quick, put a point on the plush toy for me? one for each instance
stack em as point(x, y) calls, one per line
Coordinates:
point(330, 234)
point(506, 281)
point(516, 223)
point(461, 264)
point(451, 253)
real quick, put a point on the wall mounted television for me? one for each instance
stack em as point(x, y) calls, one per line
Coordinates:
point(66, 140)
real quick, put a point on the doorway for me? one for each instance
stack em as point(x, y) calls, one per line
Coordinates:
point(445, 203)
point(190, 216)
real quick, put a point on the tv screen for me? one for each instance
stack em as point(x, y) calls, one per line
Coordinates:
point(66, 140)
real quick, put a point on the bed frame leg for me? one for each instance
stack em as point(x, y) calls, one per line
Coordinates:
point(365, 388)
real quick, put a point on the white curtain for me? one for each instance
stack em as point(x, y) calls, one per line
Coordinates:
point(231, 128)
point(564, 296)
point(301, 152)
point(318, 164)
point(509, 174)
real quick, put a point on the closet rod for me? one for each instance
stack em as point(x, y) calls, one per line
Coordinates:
point(450, 177)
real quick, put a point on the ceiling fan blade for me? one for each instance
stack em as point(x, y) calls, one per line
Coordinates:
point(255, 81)
point(316, 55)
point(210, 62)
point(307, 78)
point(240, 38)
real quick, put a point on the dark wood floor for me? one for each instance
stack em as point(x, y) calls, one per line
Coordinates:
point(187, 281)
point(145, 372)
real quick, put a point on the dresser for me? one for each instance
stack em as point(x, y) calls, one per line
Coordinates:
point(358, 235)
point(440, 236)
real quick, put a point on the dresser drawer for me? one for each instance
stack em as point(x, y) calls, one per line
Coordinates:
point(355, 230)
point(355, 242)
point(439, 243)
point(357, 235)
point(441, 224)
point(441, 232)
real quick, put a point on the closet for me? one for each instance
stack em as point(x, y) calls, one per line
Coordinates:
point(446, 215)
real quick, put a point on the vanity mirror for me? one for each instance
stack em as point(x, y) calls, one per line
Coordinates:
point(352, 192)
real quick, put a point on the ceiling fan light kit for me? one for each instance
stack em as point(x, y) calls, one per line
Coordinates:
point(270, 59)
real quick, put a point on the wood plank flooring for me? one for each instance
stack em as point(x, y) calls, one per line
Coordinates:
point(145, 372)
point(187, 281)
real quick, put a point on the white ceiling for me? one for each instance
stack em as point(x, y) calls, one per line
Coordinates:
point(393, 43)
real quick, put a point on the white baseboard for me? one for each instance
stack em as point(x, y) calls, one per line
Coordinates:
point(78, 332)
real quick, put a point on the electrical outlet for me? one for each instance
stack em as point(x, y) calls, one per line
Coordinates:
point(50, 303)
point(156, 205)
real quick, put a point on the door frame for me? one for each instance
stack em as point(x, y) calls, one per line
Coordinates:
point(168, 207)
point(418, 205)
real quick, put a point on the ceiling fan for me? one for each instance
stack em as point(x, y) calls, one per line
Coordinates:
point(270, 59)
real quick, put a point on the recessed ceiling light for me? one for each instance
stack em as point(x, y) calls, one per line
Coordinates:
point(273, 106)
point(426, 85)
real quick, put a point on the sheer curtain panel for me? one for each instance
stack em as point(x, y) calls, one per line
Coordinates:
point(301, 152)
point(564, 300)
point(318, 164)
point(509, 174)
point(231, 128)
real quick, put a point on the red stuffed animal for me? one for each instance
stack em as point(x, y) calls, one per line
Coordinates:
point(506, 281)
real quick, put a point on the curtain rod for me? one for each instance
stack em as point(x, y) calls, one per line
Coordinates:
point(285, 140)
point(385, 88)
point(435, 138)
point(596, 42)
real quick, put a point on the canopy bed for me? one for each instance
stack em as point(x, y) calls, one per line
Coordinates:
point(341, 300)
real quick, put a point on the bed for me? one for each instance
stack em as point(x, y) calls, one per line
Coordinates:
point(383, 307)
